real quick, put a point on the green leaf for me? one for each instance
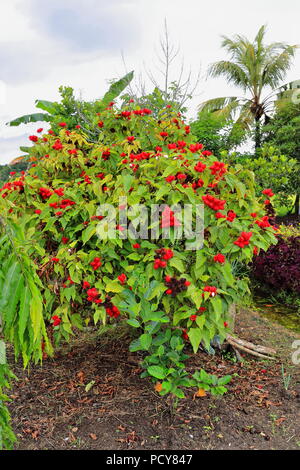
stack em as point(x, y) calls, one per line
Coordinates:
point(178, 393)
point(127, 181)
point(90, 385)
point(178, 264)
point(196, 296)
point(11, 281)
point(227, 273)
point(146, 341)
point(157, 372)
point(88, 233)
point(195, 335)
point(2, 353)
point(133, 322)
point(224, 380)
point(48, 106)
point(162, 192)
point(135, 345)
point(26, 119)
point(217, 306)
point(115, 90)
point(200, 321)
point(36, 315)
point(114, 286)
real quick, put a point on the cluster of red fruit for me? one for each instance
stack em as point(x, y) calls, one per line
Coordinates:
point(56, 320)
point(200, 167)
point(96, 263)
point(231, 215)
point(162, 256)
point(168, 219)
point(179, 177)
point(122, 278)
point(45, 193)
point(219, 258)
point(195, 147)
point(175, 286)
point(110, 308)
point(211, 289)
point(198, 184)
point(137, 156)
point(264, 222)
point(14, 186)
point(57, 145)
point(63, 204)
point(218, 168)
point(106, 154)
point(93, 296)
point(213, 202)
point(268, 192)
point(243, 239)
point(179, 145)
point(137, 112)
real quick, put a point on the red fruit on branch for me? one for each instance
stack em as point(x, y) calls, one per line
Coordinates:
point(122, 278)
point(243, 239)
point(56, 320)
point(96, 263)
point(268, 192)
point(219, 258)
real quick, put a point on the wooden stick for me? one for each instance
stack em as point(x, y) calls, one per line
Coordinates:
point(254, 347)
point(249, 351)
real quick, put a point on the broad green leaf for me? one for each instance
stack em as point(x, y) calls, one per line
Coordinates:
point(157, 372)
point(88, 233)
point(178, 264)
point(133, 322)
point(195, 335)
point(114, 286)
point(115, 90)
point(36, 117)
point(146, 341)
point(2, 355)
point(48, 106)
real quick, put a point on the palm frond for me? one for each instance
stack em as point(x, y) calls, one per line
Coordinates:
point(224, 107)
point(260, 36)
point(246, 117)
point(277, 66)
point(236, 46)
point(232, 71)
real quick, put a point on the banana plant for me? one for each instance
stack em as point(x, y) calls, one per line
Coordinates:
point(55, 110)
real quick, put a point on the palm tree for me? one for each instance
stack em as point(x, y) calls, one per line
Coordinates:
point(255, 68)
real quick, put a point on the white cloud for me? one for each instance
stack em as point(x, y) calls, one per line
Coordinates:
point(79, 44)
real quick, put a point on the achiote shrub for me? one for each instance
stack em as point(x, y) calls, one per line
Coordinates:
point(170, 294)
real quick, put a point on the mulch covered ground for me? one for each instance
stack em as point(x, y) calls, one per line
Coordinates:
point(53, 408)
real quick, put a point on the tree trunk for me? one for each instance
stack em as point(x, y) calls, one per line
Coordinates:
point(257, 135)
point(232, 313)
point(297, 204)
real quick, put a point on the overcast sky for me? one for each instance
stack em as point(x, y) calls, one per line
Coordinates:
point(79, 43)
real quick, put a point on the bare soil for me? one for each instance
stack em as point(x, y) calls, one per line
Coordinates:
point(52, 408)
